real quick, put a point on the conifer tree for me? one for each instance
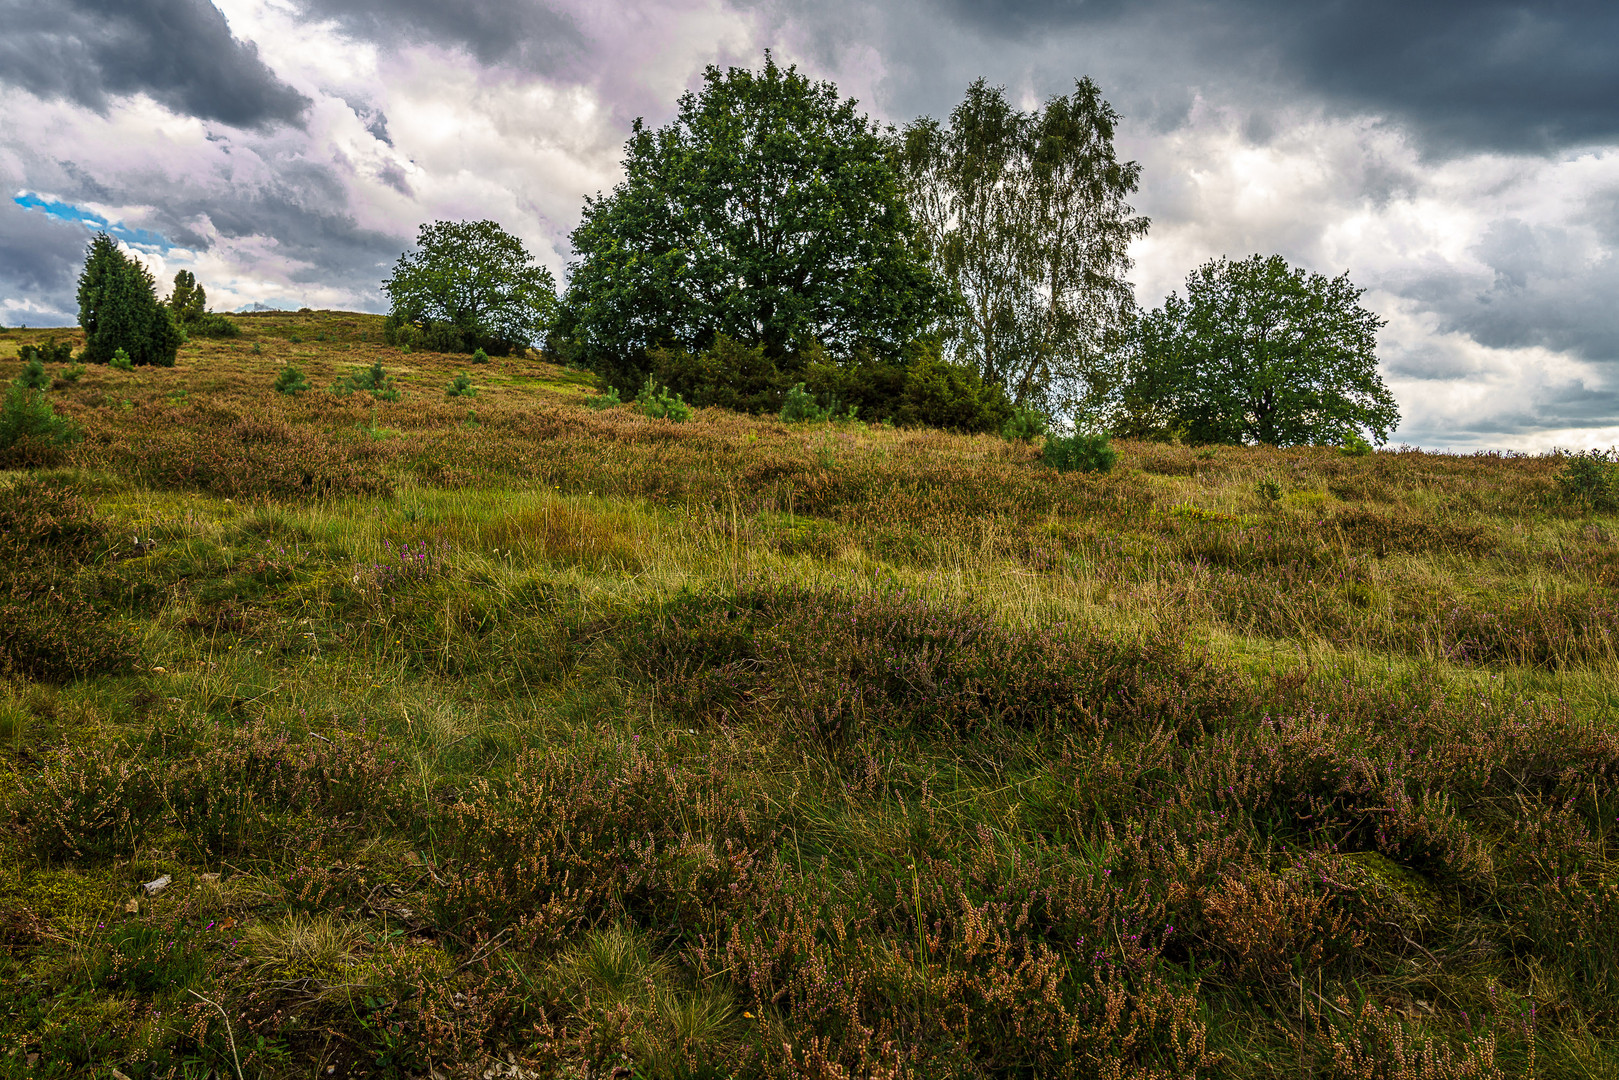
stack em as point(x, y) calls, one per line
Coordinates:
point(119, 309)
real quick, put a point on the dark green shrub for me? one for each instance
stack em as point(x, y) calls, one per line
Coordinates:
point(460, 386)
point(33, 376)
point(1355, 446)
point(728, 375)
point(656, 401)
point(916, 389)
point(1079, 452)
point(801, 407)
point(1592, 479)
point(291, 381)
point(1024, 425)
point(70, 375)
point(479, 356)
point(215, 326)
point(119, 309)
point(30, 431)
point(52, 352)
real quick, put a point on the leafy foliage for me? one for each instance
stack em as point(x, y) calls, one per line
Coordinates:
point(469, 285)
point(1079, 452)
point(767, 212)
point(1258, 351)
point(1025, 216)
point(119, 309)
point(1591, 478)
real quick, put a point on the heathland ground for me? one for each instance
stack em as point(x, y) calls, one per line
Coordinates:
point(496, 732)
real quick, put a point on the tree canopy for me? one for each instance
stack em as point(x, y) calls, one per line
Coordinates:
point(472, 284)
point(1025, 215)
point(119, 309)
point(1259, 351)
point(770, 212)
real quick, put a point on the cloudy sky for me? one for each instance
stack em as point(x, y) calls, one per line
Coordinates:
point(1459, 159)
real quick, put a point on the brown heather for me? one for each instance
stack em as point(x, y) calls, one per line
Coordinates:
point(514, 738)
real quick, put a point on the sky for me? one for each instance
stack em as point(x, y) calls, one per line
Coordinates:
point(1460, 161)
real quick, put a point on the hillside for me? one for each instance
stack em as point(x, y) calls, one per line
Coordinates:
point(503, 733)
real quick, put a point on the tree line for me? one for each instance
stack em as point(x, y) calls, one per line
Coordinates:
point(772, 242)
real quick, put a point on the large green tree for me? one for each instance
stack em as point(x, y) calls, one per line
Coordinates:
point(769, 211)
point(1025, 215)
point(1260, 351)
point(472, 284)
point(119, 309)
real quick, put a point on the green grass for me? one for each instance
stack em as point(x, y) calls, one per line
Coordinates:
point(739, 748)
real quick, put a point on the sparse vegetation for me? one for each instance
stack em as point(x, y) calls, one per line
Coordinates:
point(745, 748)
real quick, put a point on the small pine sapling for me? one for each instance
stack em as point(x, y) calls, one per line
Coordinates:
point(1080, 452)
point(121, 362)
point(1024, 425)
point(290, 381)
point(33, 375)
point(656, 401)
point(480, 357)
point(460, 386)
point(604, 400)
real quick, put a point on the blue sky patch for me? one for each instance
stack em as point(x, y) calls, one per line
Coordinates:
point(62, 211)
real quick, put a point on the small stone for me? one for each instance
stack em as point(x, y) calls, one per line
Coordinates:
point(157, 885)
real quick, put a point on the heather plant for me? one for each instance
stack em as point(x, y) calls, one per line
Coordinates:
point(784, 750)
point(1591, 478)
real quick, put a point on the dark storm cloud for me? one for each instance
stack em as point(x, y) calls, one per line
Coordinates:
point(40, 258)
point(521, 32)
point(1547, 288)
point(1497, 74)
point(181, 52)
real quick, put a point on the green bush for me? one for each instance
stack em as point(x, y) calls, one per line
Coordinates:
point(1355, 446)
point(214, 325)
point(656, 401)
point(52, 352)
point(479, 356)
point(460, 386)
point(1592, 479)
point(378, 382)
point(729, 375)
point(1080, 452)
point(604, 400)
point(33, 375)
point(800, 407)
point(916, 389)
point(30, 431)
point(291, 381)
point(1024, 425)
point(70, 375)
point(120, 361)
